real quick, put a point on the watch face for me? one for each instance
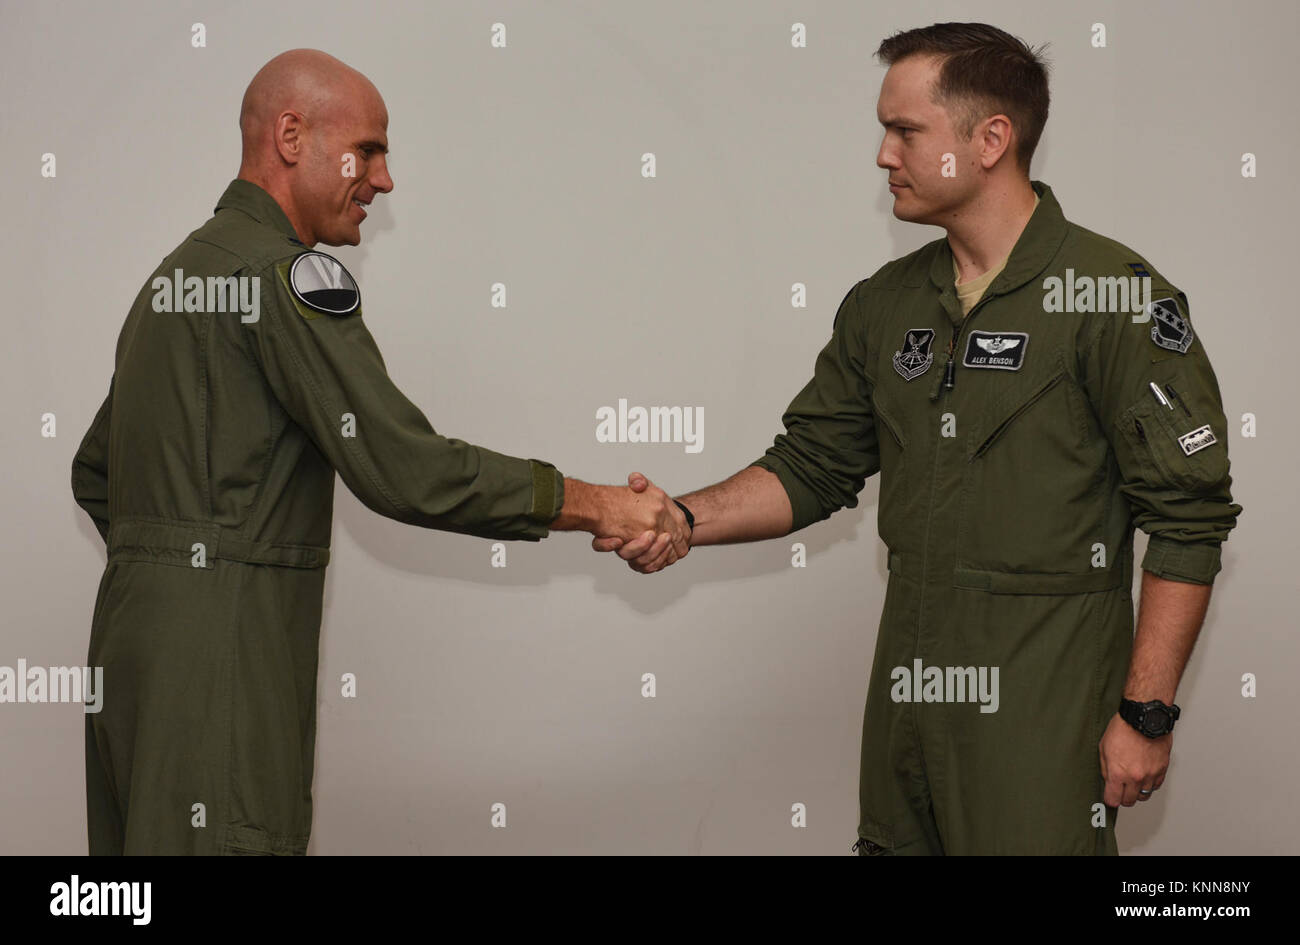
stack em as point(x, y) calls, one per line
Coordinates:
point(1156, 720)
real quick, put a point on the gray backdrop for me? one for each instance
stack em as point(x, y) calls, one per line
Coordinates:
point(522, 685)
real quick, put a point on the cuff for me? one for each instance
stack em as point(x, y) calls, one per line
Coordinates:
point(548, 492)
point(803, 501)
point(1179, 561)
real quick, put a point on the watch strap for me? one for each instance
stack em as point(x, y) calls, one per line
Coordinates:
point(690, 519)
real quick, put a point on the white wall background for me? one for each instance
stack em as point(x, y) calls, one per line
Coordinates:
point(522, 685)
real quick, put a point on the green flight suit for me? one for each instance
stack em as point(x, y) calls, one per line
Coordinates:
point(209, 470)
point(1008, 503)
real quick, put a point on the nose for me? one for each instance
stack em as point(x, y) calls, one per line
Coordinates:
point(885, 158)
point(381, 180)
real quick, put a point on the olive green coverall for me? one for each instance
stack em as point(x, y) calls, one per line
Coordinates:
point(209, 471)
point(1013, 472)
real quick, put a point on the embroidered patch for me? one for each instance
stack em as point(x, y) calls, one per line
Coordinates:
point(1198, 439)
point(1168, 327)
point(1139, 270)
point(999, 350)
point(915, 357)
point(321, 283)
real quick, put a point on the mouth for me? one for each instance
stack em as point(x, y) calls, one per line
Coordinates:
point(893, 186)
point(361, 205)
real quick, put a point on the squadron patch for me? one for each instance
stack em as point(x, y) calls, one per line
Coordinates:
point(1198, 439)
point(915, 357)
point(322, 284)
point(1168, 327)
point(997, 350)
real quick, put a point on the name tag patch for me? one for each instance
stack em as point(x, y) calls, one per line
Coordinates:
point(997, 350)
point(1198, 439)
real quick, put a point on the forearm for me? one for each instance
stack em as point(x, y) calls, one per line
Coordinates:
point(1169, 619)
point(750, 506)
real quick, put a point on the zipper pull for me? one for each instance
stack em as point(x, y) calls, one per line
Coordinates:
point(949, 371)
point(939, 377)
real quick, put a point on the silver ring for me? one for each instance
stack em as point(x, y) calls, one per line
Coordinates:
point(1141, 791)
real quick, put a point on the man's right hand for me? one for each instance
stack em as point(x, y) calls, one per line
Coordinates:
point(752, 505)
point(640, 517)
point(651, 550)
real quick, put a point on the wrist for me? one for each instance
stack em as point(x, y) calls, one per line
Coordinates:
point(690, 517)
point(1142, 694)
point(1153, 718)
point(584, 507)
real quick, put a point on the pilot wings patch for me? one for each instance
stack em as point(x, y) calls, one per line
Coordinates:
point(996, 350)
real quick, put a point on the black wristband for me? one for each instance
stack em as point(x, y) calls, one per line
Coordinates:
point(690, 519)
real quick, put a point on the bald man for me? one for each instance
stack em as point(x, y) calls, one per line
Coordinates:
point(244, 378)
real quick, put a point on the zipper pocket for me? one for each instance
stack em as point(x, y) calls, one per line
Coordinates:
point(888, 423)
point(1002, 426)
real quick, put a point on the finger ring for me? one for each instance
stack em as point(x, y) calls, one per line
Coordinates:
point(1141, 791)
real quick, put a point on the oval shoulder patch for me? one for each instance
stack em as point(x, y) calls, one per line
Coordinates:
point(320, 282)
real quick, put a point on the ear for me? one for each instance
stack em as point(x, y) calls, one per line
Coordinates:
point(996, 140)
point(289, 137)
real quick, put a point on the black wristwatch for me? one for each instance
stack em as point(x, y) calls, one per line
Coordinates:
point(690, 519)
point(1152, 719)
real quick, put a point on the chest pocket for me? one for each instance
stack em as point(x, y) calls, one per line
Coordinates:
point(1032, 511)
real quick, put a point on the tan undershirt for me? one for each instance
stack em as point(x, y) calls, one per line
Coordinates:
point(968, 293)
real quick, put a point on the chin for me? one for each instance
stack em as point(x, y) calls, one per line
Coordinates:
point(342, 239)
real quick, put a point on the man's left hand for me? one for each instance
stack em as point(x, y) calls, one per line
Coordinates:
point(1130, 761)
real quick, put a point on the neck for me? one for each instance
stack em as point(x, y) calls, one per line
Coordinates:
point(279, 190)
point(983, 233)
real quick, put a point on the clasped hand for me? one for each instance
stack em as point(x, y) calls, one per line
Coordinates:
point(646, 527)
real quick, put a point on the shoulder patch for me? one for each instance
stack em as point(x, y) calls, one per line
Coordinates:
point(1169, 329)
point(322, 284)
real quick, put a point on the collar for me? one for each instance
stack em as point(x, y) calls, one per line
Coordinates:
point(247, 197)
point(1036, 247)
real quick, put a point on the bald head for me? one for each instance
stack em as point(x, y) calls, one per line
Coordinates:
point(307, 81)
point(315, 137)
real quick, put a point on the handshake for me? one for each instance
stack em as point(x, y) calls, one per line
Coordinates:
point(641, 522)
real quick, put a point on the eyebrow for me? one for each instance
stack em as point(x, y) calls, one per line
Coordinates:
point(892, 121)
point(377, 145)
